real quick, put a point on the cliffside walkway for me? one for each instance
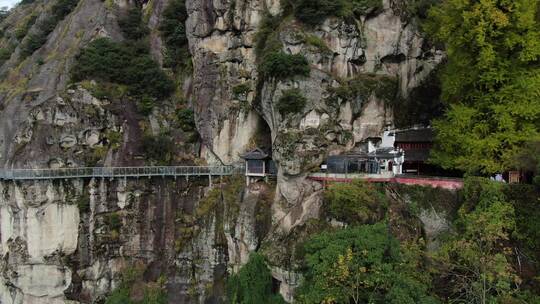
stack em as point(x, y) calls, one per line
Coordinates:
point(118, 172)
point(433, 181)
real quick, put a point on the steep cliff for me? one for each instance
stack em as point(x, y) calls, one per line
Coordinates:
point(70, 240)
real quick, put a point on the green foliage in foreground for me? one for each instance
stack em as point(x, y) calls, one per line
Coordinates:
point(475, 262)
point(491, 82)
point(291, 102)
point(108, 61)
point(355, 203)
point(474, 258)
point(363, 264)
point(252, 284)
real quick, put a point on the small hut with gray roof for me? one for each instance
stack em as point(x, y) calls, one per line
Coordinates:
point(259, 165)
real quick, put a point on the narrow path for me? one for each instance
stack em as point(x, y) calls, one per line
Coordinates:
point(117, 172)
point(433, 181)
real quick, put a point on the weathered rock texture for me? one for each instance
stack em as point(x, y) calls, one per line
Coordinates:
point(69, 240)
point(223, 47)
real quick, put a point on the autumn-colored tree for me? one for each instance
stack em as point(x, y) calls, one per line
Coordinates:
point(491, 81)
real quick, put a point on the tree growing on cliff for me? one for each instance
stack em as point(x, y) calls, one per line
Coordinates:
point(491, 82)
point(252, 284)
point(364, 264)
point(477, 257)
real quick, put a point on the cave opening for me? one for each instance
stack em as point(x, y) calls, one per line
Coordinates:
point(262, 137)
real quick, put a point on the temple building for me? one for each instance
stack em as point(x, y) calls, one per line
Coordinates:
point(259, 165)
point(417, 144)
point(377, 155)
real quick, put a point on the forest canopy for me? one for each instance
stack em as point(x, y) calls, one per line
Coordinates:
point(491, 82)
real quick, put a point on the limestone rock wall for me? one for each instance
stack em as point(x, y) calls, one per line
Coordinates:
point(222, 40)
point(71, 240)
point(68, 241)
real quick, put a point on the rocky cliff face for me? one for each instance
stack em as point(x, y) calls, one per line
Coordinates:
point(69, 240)
point(222, 41)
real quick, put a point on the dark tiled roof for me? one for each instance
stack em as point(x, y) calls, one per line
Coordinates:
point(415, 135)
point(256, 153)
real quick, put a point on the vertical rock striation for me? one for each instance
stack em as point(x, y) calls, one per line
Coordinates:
point(63, 241)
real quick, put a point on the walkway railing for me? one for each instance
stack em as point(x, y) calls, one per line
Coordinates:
point(117, 172)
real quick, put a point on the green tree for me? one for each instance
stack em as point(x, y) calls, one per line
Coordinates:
point(313, 12)
point(291, 102)
point(363, 264)
point(476, 258)
point(252, 284)
point(355, 203)
point(283, 66)
point(107, 61)
point(173, 32)
point(491, 81)
point(132, 25)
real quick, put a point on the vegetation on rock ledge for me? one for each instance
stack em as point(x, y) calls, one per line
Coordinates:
point(173, 31)
point(34, 41)
point(280, 65)
point(478, 260)
point(133, 289)
point(291, 102)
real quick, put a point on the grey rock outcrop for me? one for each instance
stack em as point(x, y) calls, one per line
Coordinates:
point(68, 241)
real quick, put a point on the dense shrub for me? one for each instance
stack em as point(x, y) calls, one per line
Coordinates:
point(132, 25)
point(173, 32)
point(102, 59)
point(252, 284)
point(364, 86)
point(291, 102)
point(475, 255)
point(172, 26)
point(240, 91)
point(35, 40)
point(355, 203)
point(524, 198)
point(144, 76)
point(159, 149)
point(362, 264)
point(314, 12)
point(23, 29)
point(5, 54)
point(280, 65)
point(419, 8)
point(186, 119)
point(266, 39)
point(105, 60)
